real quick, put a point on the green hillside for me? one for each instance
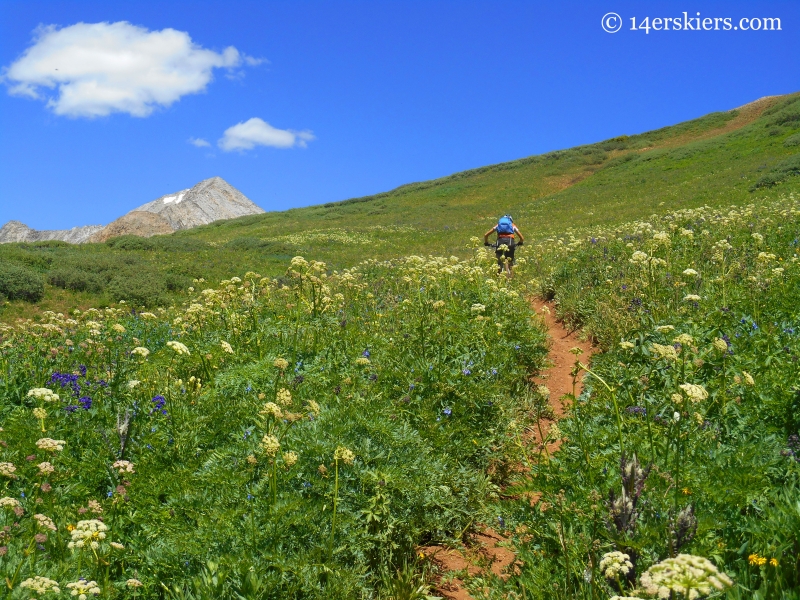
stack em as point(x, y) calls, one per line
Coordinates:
point(733, 157)
point(301, 431)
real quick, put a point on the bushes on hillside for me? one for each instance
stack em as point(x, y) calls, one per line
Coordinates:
point(779, 173)
point(20, 283)
point(76, 280)
point(173, 243)
point(139, 288)
point(792, 140)
point(130, 242)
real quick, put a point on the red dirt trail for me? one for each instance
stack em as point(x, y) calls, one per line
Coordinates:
point(487, 548)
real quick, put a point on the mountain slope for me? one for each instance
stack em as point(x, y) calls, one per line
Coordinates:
point(14, 231)
point(136, 222)
point(715, 159)
point(736, 157)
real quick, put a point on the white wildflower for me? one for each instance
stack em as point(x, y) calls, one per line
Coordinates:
point(695, 393)
point(664, 352)
point(123, 466)
point(284, 397)
point(270, 445)
point(272, 409)
point(88, 533)
point(50, 444)
point(140, 351)
point(43, 394)
point(615, 564)
point(691, 576)
point(345, 455)
point(40, 585)
point(45, 468)
point(82, 588)
point(45, 522)
point(179, 348)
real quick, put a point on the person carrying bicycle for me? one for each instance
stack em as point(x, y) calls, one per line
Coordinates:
point(506, 243)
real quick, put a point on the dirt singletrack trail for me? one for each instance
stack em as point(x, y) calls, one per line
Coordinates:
point(558, 375)
point(490, 549)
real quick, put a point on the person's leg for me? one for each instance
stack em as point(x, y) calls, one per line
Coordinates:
point(510, 257)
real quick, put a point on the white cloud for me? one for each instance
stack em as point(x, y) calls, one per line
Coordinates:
point(256, 132)
point(252, 61)
point(199, 142)
point(95, 69)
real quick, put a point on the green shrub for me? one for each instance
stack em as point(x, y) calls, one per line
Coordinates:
point(20, 283)
point(621, 160)
point(780, 173)
point(45, 244)
point(176, 281)
point(173, 243)
point(792, 140)
point(130, 242)
point(26, 256)
point(75, 279)
point(139, 288)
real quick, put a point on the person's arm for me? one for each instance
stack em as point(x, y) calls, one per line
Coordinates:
point(487, 234)
point(519, 233)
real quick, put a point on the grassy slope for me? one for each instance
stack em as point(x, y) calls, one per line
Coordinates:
point(712, 160)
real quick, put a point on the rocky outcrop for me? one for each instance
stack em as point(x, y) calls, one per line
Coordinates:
point(210, 200)
point(14, 231)
point(136, 222)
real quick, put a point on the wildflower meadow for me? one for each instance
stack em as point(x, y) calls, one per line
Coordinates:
point(678, 475)
point(303, 436)
point(272, 438)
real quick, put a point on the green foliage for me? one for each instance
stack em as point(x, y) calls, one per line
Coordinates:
point(792, 140)
point(780, 173)
point(177, 243)
point(696, 315)
point(20, 283)
point(76, 279)
point(385, 395)
point(130, 242)
point(141, 287)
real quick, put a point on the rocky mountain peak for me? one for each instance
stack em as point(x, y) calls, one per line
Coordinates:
point(14, 231)
point(210, 200)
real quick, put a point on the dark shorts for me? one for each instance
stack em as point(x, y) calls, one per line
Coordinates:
point(505, 250)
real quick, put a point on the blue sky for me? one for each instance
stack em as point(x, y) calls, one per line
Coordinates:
point(324, 101)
